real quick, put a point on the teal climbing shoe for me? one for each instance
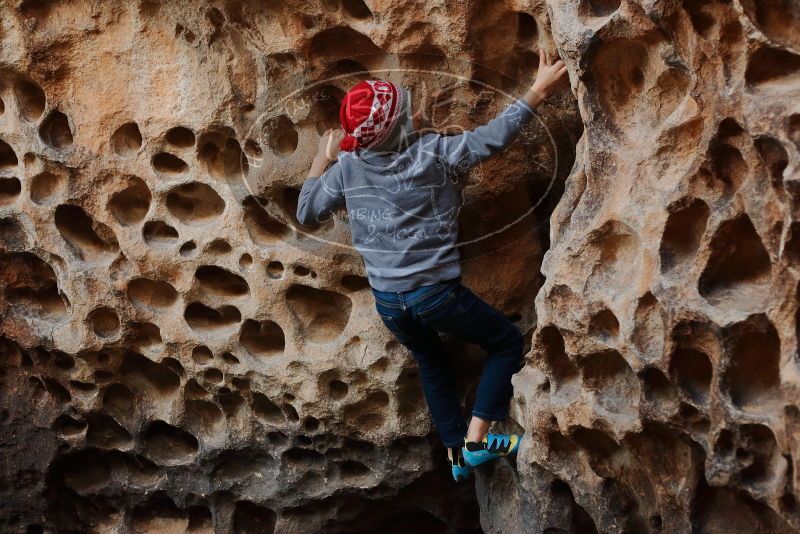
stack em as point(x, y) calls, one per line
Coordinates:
point(461, 471)
point(492, 447)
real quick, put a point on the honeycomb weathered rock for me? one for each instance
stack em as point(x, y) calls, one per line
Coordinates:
point(178, 354)
point(661, 392)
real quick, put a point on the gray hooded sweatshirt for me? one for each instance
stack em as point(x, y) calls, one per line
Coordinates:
point(402, 205)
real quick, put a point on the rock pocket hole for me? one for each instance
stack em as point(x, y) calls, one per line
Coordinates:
point(648, 329)
point(221, 282)
point(218, 247)
point(37, 293)
point(354, 282)
point(328, 99)
point(341, 42)
point(188, 249)
point(738, 269)
point(68, 427)
point(222, 155)
point(194, 203)
point(204, 319)
point(55, 131)
point(8, 159)
point(777, 19)
point(10, 189)
point(263, 228)
point(370, 413)
point(625, 70)
point(774, 156)
point(87, 239)
point(752, 377)
point(104, 322)
point(563, 373)
point(685, 227)
point(323, 314)
point(230, 359)
point(599, 8)
point(727, 164)
point(130, 206)
point(692, 371)
point(151, 294)
point(337, 390)
point(45, 186)
point(356, 9)
point(262, 339)
point(281, 135)
point(250, 518)
point(604, 324)
point(148, 377)
point(526, 28)
point(180, 137)
point(206, 418)
point(275, 270)
point(159, 234)
point(773, 67)
point(126, 140)
point(104, 432)
point(266, 410)
point(609, 377)
point(30, 99)
point(351, 469)
point(168, 445)
point(202, 355)
point(253, 149)
point(245, 261)
point(292, 415)
point(213, 375)
point(146, 337)
point(168, 165)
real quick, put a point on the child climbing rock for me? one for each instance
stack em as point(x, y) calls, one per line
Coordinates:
point(401, 204)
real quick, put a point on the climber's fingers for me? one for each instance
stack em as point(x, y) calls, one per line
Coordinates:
point(542, 61)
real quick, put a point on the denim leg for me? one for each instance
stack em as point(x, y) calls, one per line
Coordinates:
point(467, 316)
point(436, 374)
point(505, 357)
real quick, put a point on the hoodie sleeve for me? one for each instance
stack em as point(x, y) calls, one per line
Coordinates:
point(464, 151)
point(321, 196)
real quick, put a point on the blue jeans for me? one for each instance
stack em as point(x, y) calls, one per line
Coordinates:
point(416, 317)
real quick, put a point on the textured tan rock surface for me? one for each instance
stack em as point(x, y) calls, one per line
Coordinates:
point(177, 354)
point(661, 393)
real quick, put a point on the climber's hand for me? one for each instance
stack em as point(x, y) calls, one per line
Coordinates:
point(550, 78)
point(329, 144)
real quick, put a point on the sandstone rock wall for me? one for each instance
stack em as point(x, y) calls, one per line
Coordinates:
point(178, 355)
point(661, 393)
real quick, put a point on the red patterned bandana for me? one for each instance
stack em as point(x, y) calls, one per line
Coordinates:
point(368, 113)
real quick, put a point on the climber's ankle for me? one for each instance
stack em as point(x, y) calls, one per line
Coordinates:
point(478, 428)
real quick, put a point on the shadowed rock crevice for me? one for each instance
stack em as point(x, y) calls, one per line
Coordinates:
point(739, 268)
point(87, 239)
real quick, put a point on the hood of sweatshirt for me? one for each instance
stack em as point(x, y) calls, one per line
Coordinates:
point(402, 135)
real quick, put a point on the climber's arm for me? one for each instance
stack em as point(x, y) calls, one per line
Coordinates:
point(471, 147)
point(323, 190)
